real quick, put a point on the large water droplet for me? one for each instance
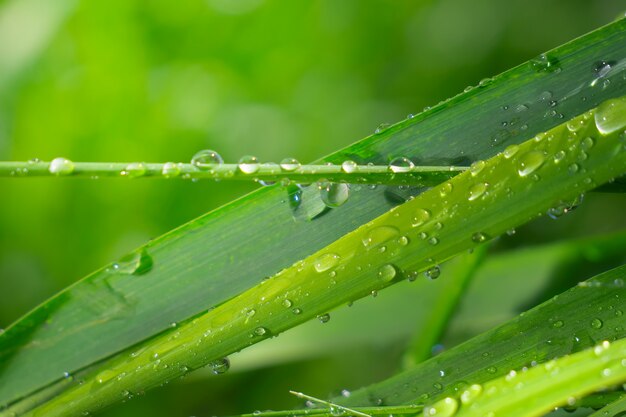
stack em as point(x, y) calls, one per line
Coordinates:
point(220, 366)
point(61, 166)
point(349, 166)
point(610, 116)
point(379, 235)
point(443, 408)
point(530, 162)
point(324, 318)
point(248, 164)
point(206, 159)
point(420, 217)
point(289, 164)
point(136, 263)
point(387, 272)
point(596, 323)
point(401, 164)
point(326, 261)
point(477, 190)
point(476, 167)
point(334, 194)
point(510, 150)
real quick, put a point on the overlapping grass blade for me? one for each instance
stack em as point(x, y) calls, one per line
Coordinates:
point(502, 192)
point(216, 257)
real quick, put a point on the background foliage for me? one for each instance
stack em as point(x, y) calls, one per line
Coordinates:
point(156, 81)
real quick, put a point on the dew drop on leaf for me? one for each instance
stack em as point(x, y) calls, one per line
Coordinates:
point(443, 408)
point(530, 162)
point(134, 170)
point(170, 170)
point(324, 318)
point(596, 323)
point(432, 273)
point(420, 216)
point(477, 190)
point(289, 164)
point(471, 393)
point(248, 164)
point(387, 272)
point(401, 164)
point(476, 167)
point(61, 166)
point(510, 150)
point(479, 237)
point(610, 116)
point(379, 235)
point(220, 366)
point(326, 261)
point(349, 166)
point(137, 263)
point(206, 159)
point(334, 194)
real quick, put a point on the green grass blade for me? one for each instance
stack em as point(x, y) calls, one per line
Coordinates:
point(575, 320)
point(240, 244)
point(615, 409)
point(508, 190)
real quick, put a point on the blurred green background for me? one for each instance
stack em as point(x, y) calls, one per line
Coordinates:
point(125, 80)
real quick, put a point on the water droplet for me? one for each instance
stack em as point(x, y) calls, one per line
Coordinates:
point(105, 376)
point(573, 168)
point(610, 116)
point(289, 164)
point(403, 240)
point(443, 408)
point(557, 324)
point(349, 166)
point(324, 318)
point(381, 128)
point(433, 241)
point(401, 164)
point(476, 167)
point(492, 369)
point(287, 303)
point(510, 151)
point(545, 63)
point(206, 159)
point(387, 272)
point(485, 82)
point(471, 393)
point(134, 170)
point(559, 156)
point(587, 143)
point(297, 311)
point(379, 235)
point(433, 273)
point(530, 162)
point(420, 217)
point(260, 331)
point(136, 263)
point(61, 166)
point(248, 164)
point(334, 194)
point(220, 366)
point(170, 170)
point(479, 237)
point(596, 323)
point(446, 188)
point(326, 261)
point(477, 190)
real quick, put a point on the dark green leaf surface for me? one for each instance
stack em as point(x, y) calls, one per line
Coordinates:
point(214, 258)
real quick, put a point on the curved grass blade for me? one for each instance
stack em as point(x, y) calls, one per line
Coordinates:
point(507, 190)
point(614, 409)
point(252, 231)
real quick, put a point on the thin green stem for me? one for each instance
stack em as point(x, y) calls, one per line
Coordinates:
point(265, 172)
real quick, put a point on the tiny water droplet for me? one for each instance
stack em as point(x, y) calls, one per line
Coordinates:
point(587, 143)
point(492, 369)
point(433, 273)
point(170, 170)
point(381, 128)
point(61, 166)
point(433, 241)
point(558, 324)
point(403, 240)
point(137, 263)
point(260, 331)
point(596, 323)
point(559, 156)
point(471, 393)
point(420, 217)
point(324, 318)
point(477, 190)
point(446, 188)
point(248, 164)
point(220, 366)
point(134, 170)
point(287, 303)
point(387, 272)
point(206, 159)
point(545, 63)
point(326, 261)
point(349, 166)
point(530, 162)
point(479, 237)
point(401, 164)
point(297, 311)
point(573, 168)
point(334, 194)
